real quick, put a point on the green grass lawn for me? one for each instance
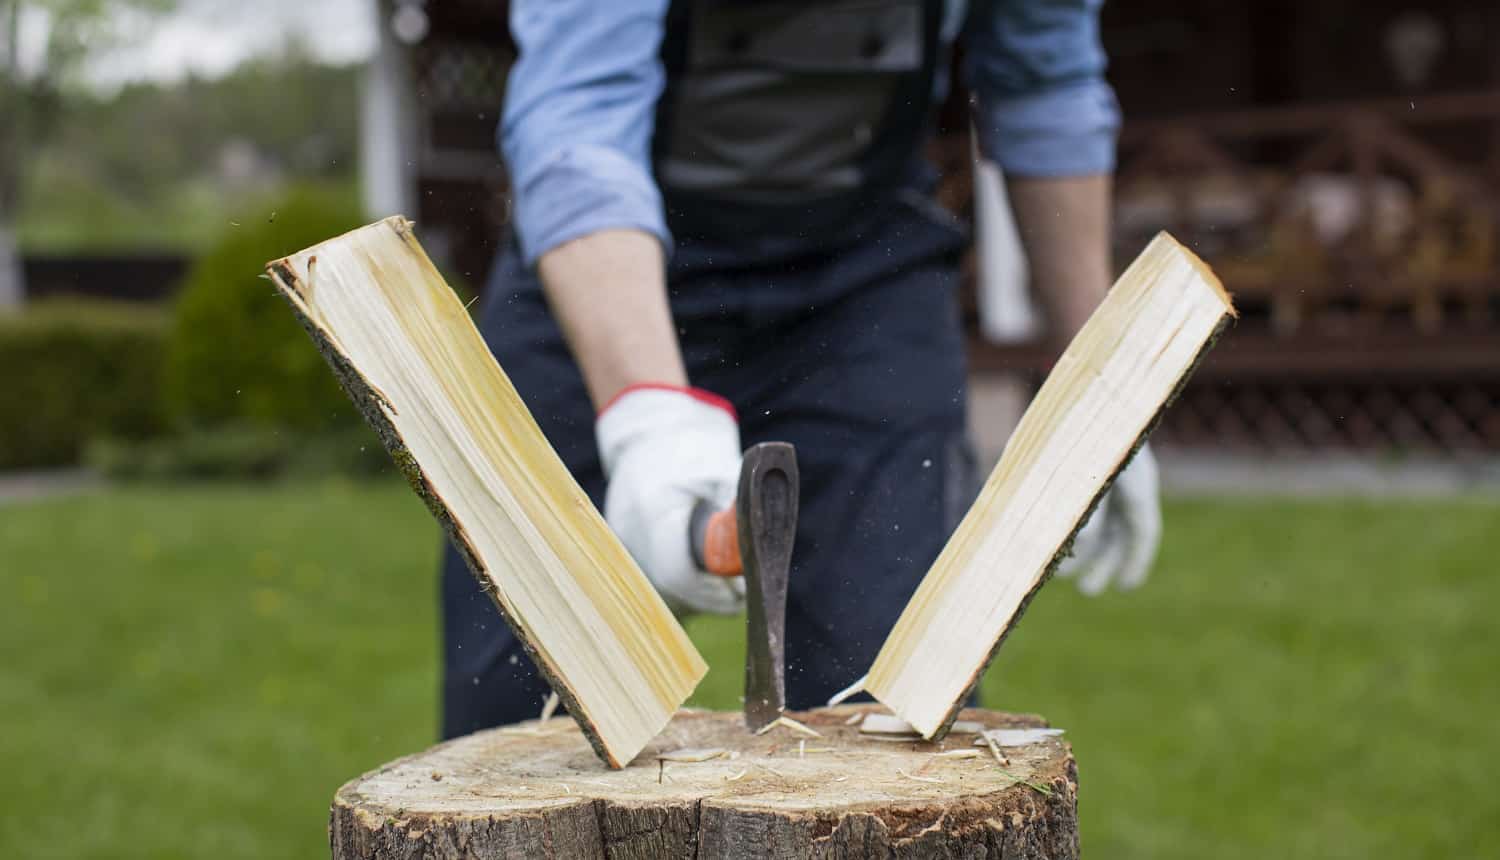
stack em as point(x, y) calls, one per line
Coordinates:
point(192, 672)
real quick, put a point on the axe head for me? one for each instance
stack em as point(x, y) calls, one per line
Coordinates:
point(766, 514)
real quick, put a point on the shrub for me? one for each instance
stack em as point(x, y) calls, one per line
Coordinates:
point(75, 370)
point(234, 451)
point(236, 354)
point(241, 451)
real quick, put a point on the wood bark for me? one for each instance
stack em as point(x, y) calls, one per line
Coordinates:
point(706, 788)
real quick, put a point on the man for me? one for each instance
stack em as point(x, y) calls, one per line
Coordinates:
point(723, 236)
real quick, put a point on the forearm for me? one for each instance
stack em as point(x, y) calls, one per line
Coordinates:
point(608, 292)
point(1044, 112)
point(1065, 230)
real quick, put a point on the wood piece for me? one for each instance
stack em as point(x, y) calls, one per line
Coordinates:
point(1015, 737)
point(535, 793)
point(889, 724)
point(1092, 413)
point(408, 354)
point(886, 724)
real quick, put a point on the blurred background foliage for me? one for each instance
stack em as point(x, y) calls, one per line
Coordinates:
point(169, 166)
point(235, 352)
point(230, 172)
point(77, 370)
point(221, 382)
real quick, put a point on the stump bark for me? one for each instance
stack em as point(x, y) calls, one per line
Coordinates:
point(707, 788)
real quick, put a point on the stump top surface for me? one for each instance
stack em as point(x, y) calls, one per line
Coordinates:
point(540, 766)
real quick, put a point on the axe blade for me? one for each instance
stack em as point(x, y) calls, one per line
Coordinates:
point(766, 509)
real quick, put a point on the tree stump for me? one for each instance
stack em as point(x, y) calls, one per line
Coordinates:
point(708, 788)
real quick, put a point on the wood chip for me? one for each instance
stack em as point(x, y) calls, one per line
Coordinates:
point(788, 723)
point(691, 754)
point(1015, 737)
point(994, 749)
point(549, 707)
point(551, 728)
point(918, 778)
point(769, 769)
point(853, 689)
point(737, 776)
point(886, 724)
point(966, 727)
point(854, 720)
point(958, 754)
point(1003, 762)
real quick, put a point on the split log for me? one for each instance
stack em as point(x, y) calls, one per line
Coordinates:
point(405, 349)
point(1091, 415)
point(706, 788)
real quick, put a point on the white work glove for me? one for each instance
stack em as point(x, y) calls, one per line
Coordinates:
point(663, 449)
point(1118, 543)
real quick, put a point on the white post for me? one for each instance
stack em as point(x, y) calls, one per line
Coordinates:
point(387, 131)
point(1006, 312)
point(12, 283)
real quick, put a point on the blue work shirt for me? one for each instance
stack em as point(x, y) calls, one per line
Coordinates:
point(581, 105)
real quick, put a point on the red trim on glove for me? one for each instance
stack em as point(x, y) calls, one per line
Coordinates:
point(697, 394)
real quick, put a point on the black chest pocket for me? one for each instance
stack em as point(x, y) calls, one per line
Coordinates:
point(777, 101)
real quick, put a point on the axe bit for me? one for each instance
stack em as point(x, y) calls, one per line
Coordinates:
point(755, 537)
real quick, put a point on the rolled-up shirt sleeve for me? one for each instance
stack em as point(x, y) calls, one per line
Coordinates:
point(579, 113)
point(1036, 68)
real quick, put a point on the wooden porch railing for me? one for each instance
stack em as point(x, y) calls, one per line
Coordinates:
point(1359, 216)
point(1362, 243)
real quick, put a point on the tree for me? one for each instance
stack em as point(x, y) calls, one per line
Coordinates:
point(42, 45)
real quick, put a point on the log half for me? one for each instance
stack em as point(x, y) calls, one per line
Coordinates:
point(405, 349)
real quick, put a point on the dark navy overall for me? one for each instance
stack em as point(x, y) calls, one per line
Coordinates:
point(842, 339)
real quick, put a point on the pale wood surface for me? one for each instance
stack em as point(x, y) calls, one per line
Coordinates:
point(535, 791)
point(1092, 413)
point(408, 353)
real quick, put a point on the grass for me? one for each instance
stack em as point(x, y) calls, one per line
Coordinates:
point(193, 671)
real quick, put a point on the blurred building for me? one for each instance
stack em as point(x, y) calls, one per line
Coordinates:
point(1337, 161)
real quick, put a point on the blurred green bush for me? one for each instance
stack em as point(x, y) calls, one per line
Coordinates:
point(236, 354)
point(239, 452)
point(74, 370)
point(224, 384)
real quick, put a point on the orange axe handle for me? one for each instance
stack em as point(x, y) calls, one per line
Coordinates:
point(716, 540)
